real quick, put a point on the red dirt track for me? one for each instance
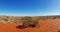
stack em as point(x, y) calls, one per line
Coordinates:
point(50, 25)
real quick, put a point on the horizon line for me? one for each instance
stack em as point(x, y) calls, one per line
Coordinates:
point(29, 15)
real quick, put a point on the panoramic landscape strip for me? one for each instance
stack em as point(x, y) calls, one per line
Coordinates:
point(21, 19)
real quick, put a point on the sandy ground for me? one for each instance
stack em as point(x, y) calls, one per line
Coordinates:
point(52, 25)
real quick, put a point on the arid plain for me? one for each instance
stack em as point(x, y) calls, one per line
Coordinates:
point(47, 24)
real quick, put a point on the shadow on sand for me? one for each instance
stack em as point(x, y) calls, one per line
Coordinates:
point(23, 27)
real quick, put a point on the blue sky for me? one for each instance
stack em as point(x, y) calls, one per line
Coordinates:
point(29, 7)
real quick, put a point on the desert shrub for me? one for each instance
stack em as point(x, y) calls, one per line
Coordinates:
point(15, 20)
point(5, 19)
point(35, 22)
point(57, 17)
point(27, 20)
point(54, 17)
point(39, 17)
point(47, 17)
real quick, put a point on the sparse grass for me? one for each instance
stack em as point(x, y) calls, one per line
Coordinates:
point(17, 20)
point(27, 19)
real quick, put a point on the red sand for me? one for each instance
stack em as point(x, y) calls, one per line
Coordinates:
point(45, 26)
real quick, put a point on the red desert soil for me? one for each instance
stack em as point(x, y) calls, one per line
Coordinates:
point(51, 25)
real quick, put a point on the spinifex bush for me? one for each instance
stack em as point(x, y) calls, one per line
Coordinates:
point(29, 21)
point(36, 22)
point(5, 19)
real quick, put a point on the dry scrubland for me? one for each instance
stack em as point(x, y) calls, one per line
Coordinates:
point(47, 24)
point(18, 19)
point(13, 19)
